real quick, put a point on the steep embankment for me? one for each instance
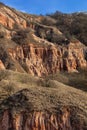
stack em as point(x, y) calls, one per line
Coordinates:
point(50, 59)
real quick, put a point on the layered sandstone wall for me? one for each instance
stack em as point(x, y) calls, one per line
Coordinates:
point(38, 121)
point(5, 21)
point(10, 19)
point(50, 59)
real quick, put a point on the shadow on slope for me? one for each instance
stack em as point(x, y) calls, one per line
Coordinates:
point(76, 80)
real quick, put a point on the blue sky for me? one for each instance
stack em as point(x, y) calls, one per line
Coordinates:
point(47, 6)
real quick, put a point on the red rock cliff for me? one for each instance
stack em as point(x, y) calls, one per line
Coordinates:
point(9, 18)
point(46, 60)
point(38, 121)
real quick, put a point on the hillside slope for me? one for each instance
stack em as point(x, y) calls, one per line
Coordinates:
point(29, 103)
point(73, 26)
point(43, 72)
point(36, 48)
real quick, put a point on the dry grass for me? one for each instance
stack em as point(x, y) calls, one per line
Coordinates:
point(32, 93)
point(76, 80)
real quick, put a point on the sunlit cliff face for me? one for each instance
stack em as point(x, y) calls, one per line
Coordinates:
point(39, 60)
point(42, 61)
point(38, 121)
point(25, 48)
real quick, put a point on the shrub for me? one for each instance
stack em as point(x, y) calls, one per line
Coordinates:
point(70, 24)
point(48, 21)
point(45, 83)
point(9, 89)
point(23, 36)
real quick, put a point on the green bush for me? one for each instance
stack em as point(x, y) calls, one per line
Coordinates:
point(70, 24)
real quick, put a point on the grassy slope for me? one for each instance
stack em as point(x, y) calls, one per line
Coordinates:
point(32, 93)
point(76, 80)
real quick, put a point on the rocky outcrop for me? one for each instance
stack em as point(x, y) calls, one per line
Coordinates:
point(5, 21)
point(38, 57)
point(10, 19)
point(44, 60)
point(38, 121)
point(2, 67)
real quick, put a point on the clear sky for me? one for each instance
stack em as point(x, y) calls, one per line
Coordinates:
point(47, 6)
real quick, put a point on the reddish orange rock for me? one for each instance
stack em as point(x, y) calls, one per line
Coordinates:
point(2, 67)
point(9, 19)
point(50, 59)
point(38, 121)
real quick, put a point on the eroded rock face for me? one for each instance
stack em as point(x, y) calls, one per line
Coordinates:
point(38, 59)
point(2, 67)
point(10, 19)
point(38, 121)
point(47, 60)
point(7, 22)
